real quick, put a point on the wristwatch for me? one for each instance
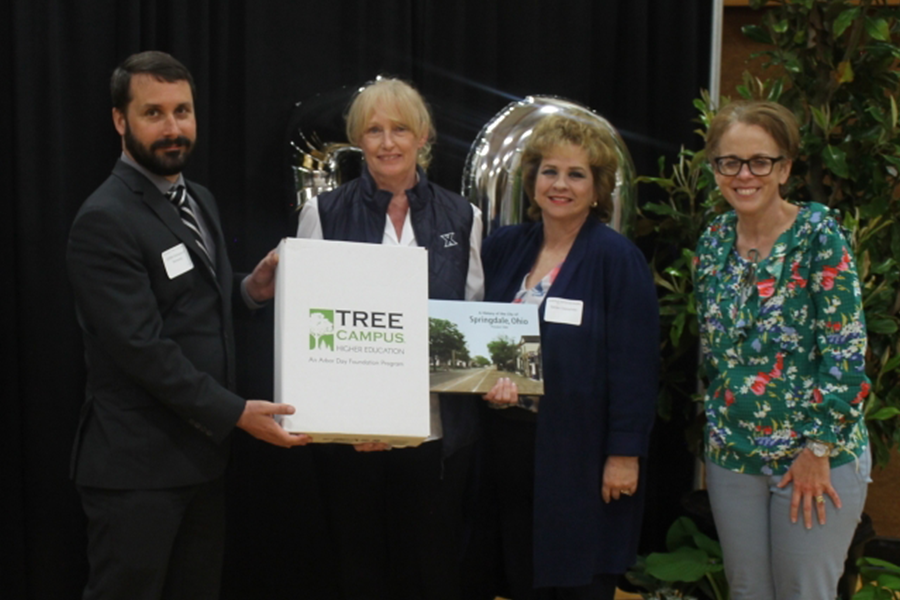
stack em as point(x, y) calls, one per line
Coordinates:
point(819, 449)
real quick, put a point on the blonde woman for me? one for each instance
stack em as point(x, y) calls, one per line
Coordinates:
point(396, 516)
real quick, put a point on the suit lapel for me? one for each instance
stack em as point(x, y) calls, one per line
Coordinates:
point(159, 204)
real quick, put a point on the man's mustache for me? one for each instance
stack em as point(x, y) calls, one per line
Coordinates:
point(170, 143)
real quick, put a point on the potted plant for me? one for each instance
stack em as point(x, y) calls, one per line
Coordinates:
point(880, 580)
point(692, 567)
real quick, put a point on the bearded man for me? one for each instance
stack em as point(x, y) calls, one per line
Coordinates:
point(153, 292)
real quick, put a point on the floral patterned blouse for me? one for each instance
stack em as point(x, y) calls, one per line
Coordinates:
point(783, 343)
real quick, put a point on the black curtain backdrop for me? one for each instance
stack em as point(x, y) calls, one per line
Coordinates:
point(639, 63)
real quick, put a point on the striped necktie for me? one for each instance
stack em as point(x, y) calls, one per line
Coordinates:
point(178, 196)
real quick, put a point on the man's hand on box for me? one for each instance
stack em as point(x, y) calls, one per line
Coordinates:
point(258, 419)
point(260, 284)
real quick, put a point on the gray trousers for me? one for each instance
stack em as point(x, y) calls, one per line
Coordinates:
point(769, 558)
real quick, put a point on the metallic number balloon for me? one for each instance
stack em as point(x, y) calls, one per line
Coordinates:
point(492, 177)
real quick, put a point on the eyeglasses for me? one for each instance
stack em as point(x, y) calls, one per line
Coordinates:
point(758, 165)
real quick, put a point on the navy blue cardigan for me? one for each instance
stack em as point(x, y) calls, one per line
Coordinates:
point(600, 395)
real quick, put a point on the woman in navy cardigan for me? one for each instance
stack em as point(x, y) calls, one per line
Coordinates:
point(567, 468)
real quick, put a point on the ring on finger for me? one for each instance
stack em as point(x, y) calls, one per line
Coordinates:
point(625, 493)
point(820, 499)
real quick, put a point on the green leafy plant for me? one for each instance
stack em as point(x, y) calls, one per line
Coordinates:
point(676, 223)
point(880, 580)
point(692, 567)
point(834, 64)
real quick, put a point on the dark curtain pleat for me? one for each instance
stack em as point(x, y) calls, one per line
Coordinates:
point(12, 447)
point(638, 63)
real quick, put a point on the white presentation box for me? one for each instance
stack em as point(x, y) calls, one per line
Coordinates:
point(351, 341)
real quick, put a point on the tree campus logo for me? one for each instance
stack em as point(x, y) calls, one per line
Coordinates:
point(321, 329)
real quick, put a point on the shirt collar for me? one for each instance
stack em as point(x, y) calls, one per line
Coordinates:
point(724, 233)
point(418, 195)
point(161, 183)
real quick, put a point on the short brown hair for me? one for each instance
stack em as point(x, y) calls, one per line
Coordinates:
point(162, 66)
point(598, 144)
point(404, 105)
point(775, 119)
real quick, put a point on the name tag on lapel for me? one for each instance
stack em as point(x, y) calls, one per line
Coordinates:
point(177, 261)
point(560, 310)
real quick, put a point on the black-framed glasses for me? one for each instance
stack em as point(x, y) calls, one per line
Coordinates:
point(758, 165)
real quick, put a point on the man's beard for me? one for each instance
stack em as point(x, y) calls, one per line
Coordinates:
point(170, 162)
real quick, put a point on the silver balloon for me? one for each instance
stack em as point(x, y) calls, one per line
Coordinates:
point(492, 177)
point(320, 168)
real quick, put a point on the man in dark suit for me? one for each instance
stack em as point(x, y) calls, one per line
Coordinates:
point(153, 290)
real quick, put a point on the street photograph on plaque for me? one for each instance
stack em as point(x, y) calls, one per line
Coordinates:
point(472, 344)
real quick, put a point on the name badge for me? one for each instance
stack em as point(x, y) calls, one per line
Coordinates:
point(560, 310)
point(177, 261)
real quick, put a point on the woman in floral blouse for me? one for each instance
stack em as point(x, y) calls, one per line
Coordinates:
point(784, 341)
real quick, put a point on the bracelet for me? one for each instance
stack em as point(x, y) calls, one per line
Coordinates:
point(819, 449)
